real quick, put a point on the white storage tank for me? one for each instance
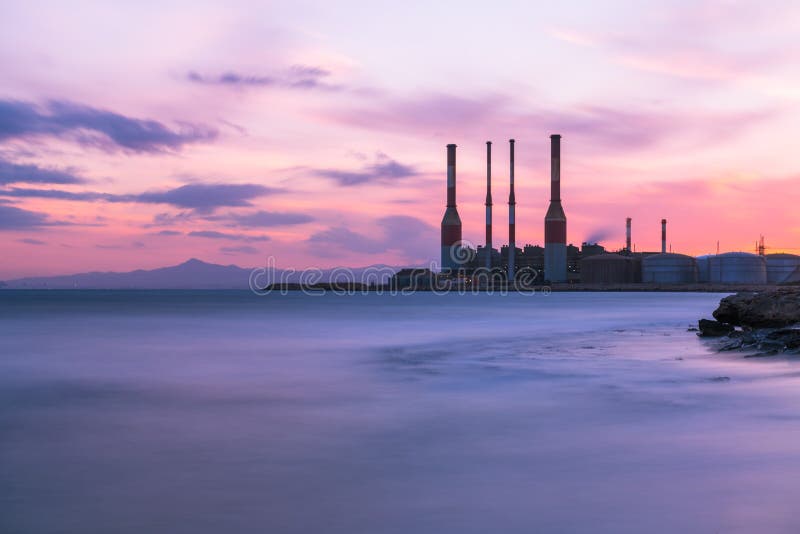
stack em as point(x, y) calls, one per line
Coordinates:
point(669, 269)
point(737, 268)
point(782, 267)
point(703, 274)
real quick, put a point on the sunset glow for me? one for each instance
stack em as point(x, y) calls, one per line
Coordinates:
point(141, 135)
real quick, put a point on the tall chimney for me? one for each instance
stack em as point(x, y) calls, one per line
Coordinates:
point(512, 245)
point(628, 235)
point(663, 236)
point(451, 222)
point(555, 222)
point(488, 249)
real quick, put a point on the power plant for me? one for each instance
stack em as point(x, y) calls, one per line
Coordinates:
point(558, 262)
point(628, 235)
point(554, 257)
point(488, 246)
point(451, 222)
point(512, 202)
point(555, 222)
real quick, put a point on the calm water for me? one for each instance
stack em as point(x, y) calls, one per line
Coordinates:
point(181, 412)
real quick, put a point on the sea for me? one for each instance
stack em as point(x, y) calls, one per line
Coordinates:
point(223, 411)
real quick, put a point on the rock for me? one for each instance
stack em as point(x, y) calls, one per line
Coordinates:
point(709, 328)
point(763, 317)
point(751, 337)
point(771, 345)
point(774, 308)
point(733, 345)
point(788, 337)
point(730, 308)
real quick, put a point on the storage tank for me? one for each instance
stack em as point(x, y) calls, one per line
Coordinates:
point(669, 269)
point(703, 274)
point(737, 268)
point(781, 267)
point(609, 269)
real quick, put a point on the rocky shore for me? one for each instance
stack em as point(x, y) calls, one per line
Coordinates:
point(761, 323)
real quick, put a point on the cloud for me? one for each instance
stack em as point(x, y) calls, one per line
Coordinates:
point(203, 198)
point(169, 219)
point(95, 127)
point(132, 245)
point(207, 197)
point(30, 241)
point(436, 113)
point(333, 241)
point(384, 169)
point(263, 219)
point(169, 233)
point(701, 53)
point(229, 78)
point(244, 249)
point(414, 238)
point(27, 173)
point(13, 218)
point(58, 194)
point(296, 77)
point(407, 235)
point(212, 234)
point(599, 128)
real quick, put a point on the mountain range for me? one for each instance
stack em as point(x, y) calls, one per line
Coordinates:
point(192, 274)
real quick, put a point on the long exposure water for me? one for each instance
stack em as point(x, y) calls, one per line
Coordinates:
point(207, 412)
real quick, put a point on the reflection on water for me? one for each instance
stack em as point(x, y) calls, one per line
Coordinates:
point(204, 412)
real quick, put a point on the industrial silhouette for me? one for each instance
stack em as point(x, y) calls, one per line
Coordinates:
point(558, 262)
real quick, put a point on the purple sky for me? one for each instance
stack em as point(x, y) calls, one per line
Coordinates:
point(140, 134)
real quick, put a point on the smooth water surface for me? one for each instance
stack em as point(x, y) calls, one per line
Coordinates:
point(207, 412)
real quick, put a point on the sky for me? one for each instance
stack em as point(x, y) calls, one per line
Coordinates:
point(141, 134)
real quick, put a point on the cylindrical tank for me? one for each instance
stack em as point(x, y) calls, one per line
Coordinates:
point(737, 268)
point(669, 269)
point(703, 273)
point(781, 267)
point(608, 269)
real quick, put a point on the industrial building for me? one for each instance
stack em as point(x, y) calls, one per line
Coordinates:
point(451, 222)
point(555, 221)
point(669, 269)
point(737, 268)
point(610, 269)
point(703, 273)
point(458, 261)
point(559, 262)
point(783, 268)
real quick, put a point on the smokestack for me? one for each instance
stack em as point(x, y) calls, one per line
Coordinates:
point(663, 236)
point(488, 249)
point(555, 222)
point(628, 235)
point(512, 246)
point(451, 222)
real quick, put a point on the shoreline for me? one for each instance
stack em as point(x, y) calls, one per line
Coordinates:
point(556, 288)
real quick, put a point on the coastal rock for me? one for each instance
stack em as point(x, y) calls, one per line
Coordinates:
point(765, 309)
point(766, 319)
point(733, 345)
point(709, 328)
point(787, 338)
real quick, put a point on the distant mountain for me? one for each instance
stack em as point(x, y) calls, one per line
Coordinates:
point(192, 274)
